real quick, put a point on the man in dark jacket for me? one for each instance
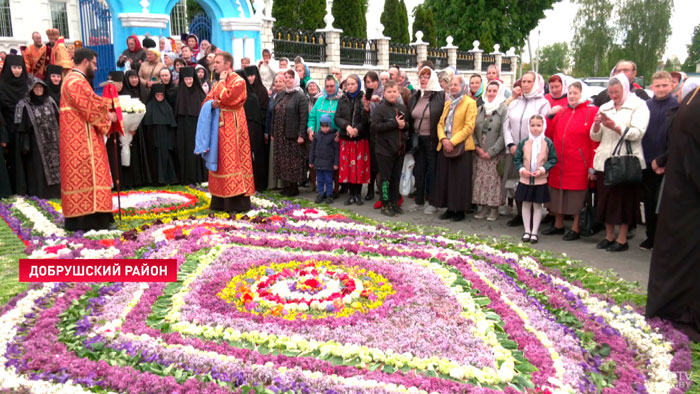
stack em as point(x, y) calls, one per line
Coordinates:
point(654, 145)
point(324, 157)
point(629, 68)
point(390, 129)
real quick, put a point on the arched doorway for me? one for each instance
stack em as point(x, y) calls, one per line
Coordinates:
point(96, 27)
point(201, 27)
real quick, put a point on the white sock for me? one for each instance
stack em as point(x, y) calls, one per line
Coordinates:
point(527, 214)
point(536, 217)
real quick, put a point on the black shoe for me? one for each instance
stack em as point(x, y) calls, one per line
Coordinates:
point(534, 238)
point(604, 244)
point(458, 217)
point(329, 200)
point(515, 222)
point(351, 200)
point(395, 206)
point(553, 231)
point(549, 219)
point(571, 236)
point(358, 199)
point(618, 247)
point(447, 215)
point(335, 195)
point(319, 199)
point(631, 232)
point(387, 210)
point(648, 244)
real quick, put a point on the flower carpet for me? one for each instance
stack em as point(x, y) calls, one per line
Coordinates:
point(290, 299)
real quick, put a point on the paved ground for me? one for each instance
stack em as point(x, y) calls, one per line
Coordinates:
point(632, 265)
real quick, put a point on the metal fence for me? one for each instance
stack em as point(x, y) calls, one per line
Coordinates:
point(438, 57)
point(291, 43)
point(96, 24)
point(358, 51)
point(403, 55)
point(486, 61)
point(465, 60)
point(5, 19)
point(506, 64)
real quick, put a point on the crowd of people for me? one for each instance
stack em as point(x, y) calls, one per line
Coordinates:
point(478, 146)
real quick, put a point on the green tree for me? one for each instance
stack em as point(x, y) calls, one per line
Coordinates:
point(693, 52)
point(193, 9)
point(395, 25)
point(554, 58)
point(350, 17)
point(593, 42)
point(311, 13)
point(424, 21)
point(286, 12)
point(506, 22)
point(645, 26)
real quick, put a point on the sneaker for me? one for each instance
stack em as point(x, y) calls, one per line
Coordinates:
point(482, 212)
point(430, 209)
point(319, 199)
point(397, 208)
point(515, 222)
point(387, 210)
point(415, 207)
point(493, 215)
point(329, 200)
point(648, 244)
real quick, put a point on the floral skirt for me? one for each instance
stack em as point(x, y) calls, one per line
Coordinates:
point(487, 183)
point(354, 162)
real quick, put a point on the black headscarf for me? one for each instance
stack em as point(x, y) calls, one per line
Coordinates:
point(33, 98)
point(189, 100)
point(158, 112)
point(258, 86)
point(252, 109)
point(116, 76)
point(139, 91)
point(13, 89)
point(53, 90)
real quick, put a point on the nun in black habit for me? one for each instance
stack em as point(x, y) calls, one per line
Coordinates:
point(5, 189)
point(256, 132)
point(13, 88)
point(36, 122)
point(54, 81)
point(159, 131)
point(136, 174)
point(674, 274)
point(191, 169)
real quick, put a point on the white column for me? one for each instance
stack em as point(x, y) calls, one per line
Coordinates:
point(249, 49)
point(237, 52)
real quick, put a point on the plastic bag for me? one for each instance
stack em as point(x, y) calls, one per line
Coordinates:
point(407, 179)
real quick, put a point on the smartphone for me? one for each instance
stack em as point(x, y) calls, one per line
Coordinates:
point(402, 115)
point(368, 94)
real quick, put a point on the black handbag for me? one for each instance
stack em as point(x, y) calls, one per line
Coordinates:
point(587, 222)
point(622, 169)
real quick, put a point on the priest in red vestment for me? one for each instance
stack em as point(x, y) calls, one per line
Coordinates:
point(86, 183)
point(232, 184)
point(37, 57)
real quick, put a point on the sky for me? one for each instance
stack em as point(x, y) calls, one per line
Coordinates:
point(557, 25)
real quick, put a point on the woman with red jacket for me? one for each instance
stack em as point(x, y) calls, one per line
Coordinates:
point(568, 180)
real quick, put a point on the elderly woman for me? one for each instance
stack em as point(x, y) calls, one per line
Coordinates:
point(488, 138)
point(558, 89)
point(626, 117)
point(453, 187)
point(289, 119)
point(568, 180)
point(515, 129)
point(133, 54)
point(426, 107)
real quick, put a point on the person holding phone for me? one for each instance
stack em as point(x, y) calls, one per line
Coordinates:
point(375, 91)
point(133, 56)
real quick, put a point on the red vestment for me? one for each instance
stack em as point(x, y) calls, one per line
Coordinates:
point(235, 171)
point(36, 60)
point(86, 183)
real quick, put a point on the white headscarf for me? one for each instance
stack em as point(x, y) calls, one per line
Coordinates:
point(537, 87)
point(565, 82)
point(433, 83)
point(536, 141)
point(689, 86)
point(622, 78)
point(296, 86)
point(490, 106)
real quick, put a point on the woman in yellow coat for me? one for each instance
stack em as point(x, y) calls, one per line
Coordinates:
point(453, 186)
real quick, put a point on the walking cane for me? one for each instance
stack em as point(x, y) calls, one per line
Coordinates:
point(116, 166)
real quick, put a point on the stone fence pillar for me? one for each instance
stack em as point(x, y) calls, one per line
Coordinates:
point(451, 52)
point(421, 47)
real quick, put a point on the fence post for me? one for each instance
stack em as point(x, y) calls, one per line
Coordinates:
point(266, 35)
point(383, 52)
point(451, 52)
point(332, 40)
point(514, 66)
point(499, 56)
point(421, 47)
point(478, 53)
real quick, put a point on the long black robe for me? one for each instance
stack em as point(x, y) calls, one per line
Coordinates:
point(191, 168)
point(12, 90)
point(674, 274)
point(39, 157)
point(256, 132)
point(159, 135)
point(137, 173)
point(5, 188)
